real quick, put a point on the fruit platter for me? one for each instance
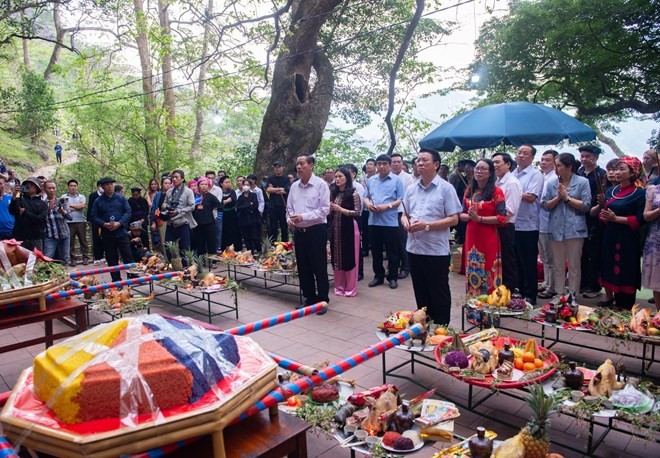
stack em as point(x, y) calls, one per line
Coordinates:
point(153, 265)
point(120, 302)
point(487, 360)
point(501, 301)
point(431, 335)
point(639, 322)
point(280, 259)
point(192, 278)
point(244, 258)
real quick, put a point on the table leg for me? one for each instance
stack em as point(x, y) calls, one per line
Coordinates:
point(218, 440)
point(301, 446)
point(48, 325)
point(235, 294)
point(81, 320)
point(208, 301)
point(384, 378)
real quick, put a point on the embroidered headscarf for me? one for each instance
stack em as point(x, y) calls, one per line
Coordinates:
point(635, 166)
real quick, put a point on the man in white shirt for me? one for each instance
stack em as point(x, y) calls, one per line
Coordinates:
point(548, 290)
point(408, 180)
point(368, 170)
point(527, 222)
point(77, 225)
point(308, 206)
point(260, 194)
point(512, 195)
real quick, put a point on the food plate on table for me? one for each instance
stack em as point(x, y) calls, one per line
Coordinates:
point(393, 450)
point(503, 311)
point(404, 346)
point(489, 380)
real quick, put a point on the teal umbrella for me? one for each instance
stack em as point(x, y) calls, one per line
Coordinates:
point(514, 123)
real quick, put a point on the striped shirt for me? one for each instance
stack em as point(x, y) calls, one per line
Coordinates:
point(56, 227)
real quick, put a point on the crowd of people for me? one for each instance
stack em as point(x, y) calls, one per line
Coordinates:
point(589, 226)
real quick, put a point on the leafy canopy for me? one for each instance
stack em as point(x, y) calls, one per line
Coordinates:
point(600, 57)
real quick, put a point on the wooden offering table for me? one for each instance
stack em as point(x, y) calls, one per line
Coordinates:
point(57, 310)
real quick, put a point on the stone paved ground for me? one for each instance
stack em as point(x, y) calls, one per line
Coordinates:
point(348, 327)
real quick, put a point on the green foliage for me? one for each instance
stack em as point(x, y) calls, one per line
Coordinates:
point(363, 55)
point(35, 116)
point(340, 146)
point(600, 58)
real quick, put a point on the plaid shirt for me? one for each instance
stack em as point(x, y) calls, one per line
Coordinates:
point(56, 227)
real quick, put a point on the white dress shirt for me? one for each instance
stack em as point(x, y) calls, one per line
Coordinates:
point(512, 190)
point(311, 201)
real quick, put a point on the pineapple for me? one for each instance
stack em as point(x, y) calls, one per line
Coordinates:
point(535, 436)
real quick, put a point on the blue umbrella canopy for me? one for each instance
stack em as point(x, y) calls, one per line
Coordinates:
point(514, 123)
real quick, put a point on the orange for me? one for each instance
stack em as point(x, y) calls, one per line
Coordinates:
point(528, 357)
point(440, 331)
point(538, 363)
point(518, 363)
point(529, 367)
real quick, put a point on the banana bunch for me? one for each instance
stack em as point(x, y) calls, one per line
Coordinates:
point(500, 297)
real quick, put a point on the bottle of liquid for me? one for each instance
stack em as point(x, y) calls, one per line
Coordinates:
point(480, 446)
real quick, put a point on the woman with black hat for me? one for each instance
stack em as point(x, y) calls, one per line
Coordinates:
point(30, 212)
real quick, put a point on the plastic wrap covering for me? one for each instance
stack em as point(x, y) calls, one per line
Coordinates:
point(133, 371)
point(17, 264)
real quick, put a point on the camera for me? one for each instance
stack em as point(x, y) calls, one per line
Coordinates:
point(139, 245)
point(169, 207)
point(24, 189)
point(63, 201)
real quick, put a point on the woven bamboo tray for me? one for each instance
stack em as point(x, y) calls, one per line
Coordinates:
point(40, 291)
point(207, 420)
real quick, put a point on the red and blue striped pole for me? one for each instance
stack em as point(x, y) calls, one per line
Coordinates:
point(279, 319)
point(6, 450)
point(281, 394)
point(102, 270)
point(291, 365)
point(114, 284)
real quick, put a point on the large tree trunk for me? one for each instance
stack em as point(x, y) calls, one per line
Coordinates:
point(57, 48)
point(169, 101)
point(26, 49)
point(148, 99)
point(201, 86)
point(297, 113)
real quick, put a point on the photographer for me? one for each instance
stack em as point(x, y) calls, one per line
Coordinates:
point(138, 249)
point(56, 242)
point(177, 210)
point(30, 212)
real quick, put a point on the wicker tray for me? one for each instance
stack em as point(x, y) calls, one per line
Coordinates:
point(40, 291)
point(211, 419)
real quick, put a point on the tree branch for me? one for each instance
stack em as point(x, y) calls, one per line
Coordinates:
point(410, 30)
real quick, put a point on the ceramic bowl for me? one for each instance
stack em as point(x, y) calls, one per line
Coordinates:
point(576, 395)
point(590, 399)
point(372, 440)
point(349, 430)
point(361, 435)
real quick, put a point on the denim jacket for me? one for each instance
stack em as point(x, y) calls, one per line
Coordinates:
point(565, 222)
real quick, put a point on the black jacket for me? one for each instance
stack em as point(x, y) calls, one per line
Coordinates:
point(209, 203)
point(30, 225)
point(247, 208)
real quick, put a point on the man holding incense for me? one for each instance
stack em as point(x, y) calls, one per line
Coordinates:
point(432, 209)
